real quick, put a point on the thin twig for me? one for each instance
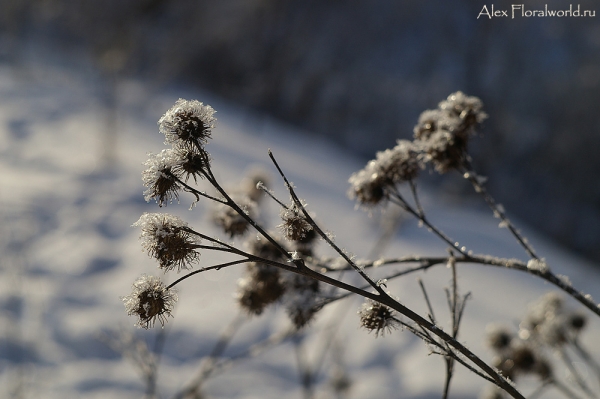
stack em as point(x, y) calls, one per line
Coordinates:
point(413, 189)
point(515, 264)
point(198, 193)
point(319, 231)
point(231, 203)
point(429, 307)
point(579, 380)
point(400, 201)
point(584, 354)
point(469, 174)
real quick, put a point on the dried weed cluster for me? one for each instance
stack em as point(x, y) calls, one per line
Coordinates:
point(283, 266)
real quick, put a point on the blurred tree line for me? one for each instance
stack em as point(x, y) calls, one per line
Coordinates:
point(360, 72)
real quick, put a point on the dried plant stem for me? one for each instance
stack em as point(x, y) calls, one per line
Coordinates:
point(217, 267)
point(444, 351)
point(199, 193)
point(319, 231)
point(335, 322)
point(413, 189)
point(452, 300)
point(515, 264)
point(385, 299)
point(469, 174)
point(231, 203)
point(449, 361)
point(579, 380)
point(585, 355)
point(396, 198)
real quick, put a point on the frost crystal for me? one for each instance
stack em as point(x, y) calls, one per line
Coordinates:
point(188, 162)
point(295, 227)
point(565, 280)
point(160, 177)
point(443, 133)
point(167, 239)
point(377, 317)
point(260, 287)
point(187, 123)
point(538, 265)
point(150, 300)
point(390, 167)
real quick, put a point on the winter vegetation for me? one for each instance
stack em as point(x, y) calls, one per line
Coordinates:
point(283, 267)
point(363, 253)
point(306, 62)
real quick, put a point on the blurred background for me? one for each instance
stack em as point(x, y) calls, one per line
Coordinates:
point(360, 73)
point(83, 82)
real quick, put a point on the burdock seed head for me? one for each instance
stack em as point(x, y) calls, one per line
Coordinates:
point(377, 317)
point(150, 301)
point(167, 239)
point(160, 177)
point(187, 123)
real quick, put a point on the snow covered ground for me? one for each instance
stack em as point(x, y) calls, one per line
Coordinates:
point(69, 252)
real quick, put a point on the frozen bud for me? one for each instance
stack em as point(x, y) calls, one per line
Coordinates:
point(576, 321)
point(302, 313)
point(295, 227)
point(377, 317)
point(553, 331)
point(190, 163)
point(230, 220)
point(443, 133)
point(552, 302)
point(160, 177)
point(547, 308)
point(150, 300)
point(498, 337)
point(390, 167)
point(187, 124)
point(260, 288)
point(543, 369)
point(301, 298)
point(433, 120)
point(167, 238)
point(305, 246)
point(524, 358)
point(367, 185)
point(469, 109)
point(444, 150)
point(399, 164)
